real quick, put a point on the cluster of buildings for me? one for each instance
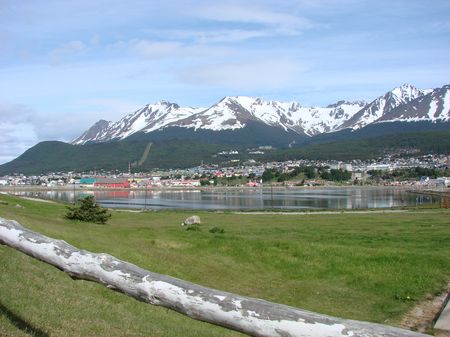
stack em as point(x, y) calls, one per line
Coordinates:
point(135, 182)
point(208, 174)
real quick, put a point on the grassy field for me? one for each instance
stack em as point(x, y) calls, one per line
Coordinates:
point(371, 267)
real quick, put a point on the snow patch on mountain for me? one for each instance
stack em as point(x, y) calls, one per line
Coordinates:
point(328, 119)
point(445, 114)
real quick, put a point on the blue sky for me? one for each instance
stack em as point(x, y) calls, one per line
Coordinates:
point(66, 64)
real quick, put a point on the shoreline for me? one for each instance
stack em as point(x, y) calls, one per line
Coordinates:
point(38, 193)
point(31, 188)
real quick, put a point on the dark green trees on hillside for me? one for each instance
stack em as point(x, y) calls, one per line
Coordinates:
point(88, 210)
point(308, 172)
point(340, 175)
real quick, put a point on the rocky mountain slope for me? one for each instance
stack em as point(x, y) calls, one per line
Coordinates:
point(381, 106)
point(434, 106)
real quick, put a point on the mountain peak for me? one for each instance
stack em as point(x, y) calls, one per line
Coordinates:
point(91, 133)
point(407, 91)
point(406, 86)
point(102, 121)
point(167, 103)
point(239, 99)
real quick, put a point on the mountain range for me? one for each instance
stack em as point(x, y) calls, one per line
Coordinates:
point(402, 104)
point(165, 135)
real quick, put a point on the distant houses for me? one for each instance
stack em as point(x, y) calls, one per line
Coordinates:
point(124, 182)
point(87, 182)
point(104, 182)
point(442, 182)
point(112, 183)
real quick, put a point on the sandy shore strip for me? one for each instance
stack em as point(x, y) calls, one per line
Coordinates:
point(39, 200)
point(325, 212)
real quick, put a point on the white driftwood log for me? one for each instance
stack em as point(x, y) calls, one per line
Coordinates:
point(251, 316)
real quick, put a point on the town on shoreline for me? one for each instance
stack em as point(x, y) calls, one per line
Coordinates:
point(430, 171)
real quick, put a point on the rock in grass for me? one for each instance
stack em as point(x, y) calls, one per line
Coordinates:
point(192, 220)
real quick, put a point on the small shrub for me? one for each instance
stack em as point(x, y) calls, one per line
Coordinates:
point(88, 210)
point(217, 230)
point(193, 227)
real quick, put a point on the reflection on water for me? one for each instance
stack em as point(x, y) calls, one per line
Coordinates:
point(324, 198)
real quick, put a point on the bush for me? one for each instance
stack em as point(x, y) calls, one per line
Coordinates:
point(217, 230)
point(193, 227)
point(87, 210)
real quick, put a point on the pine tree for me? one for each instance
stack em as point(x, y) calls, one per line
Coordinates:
point(88, 210)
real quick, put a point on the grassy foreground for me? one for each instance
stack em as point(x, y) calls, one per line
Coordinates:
point(371, 267)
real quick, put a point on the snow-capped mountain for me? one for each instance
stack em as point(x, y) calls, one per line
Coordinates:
point(404, 103)
point(149, 118)
point(233, 113)
point(323, 120)
point(383, 105)
point(230, 113)
point(434, 106)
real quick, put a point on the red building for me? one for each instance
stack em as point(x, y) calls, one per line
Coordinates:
point(112, 183)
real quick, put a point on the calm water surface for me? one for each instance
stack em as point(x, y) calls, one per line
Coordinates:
point(246, 199)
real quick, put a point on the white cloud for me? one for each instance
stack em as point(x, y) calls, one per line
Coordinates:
point(252, 75)
point(67, 50)
point(18, 130)
point(21, 128)
point(213, 36)
point(15, 138)
point(282, 22)
point(150, 49)
point(15, 113)
point(171, 49)
point(230, 36)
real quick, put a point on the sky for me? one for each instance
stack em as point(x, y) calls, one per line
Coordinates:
point(66, 64)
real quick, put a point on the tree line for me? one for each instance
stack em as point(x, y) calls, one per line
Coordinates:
point(306, 172)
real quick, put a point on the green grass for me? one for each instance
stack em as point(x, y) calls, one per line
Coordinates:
point(371, 267)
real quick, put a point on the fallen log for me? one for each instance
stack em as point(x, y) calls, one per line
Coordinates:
point(251, 316)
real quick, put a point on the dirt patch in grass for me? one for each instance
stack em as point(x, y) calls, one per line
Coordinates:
point(422, 317)
point(39, 200)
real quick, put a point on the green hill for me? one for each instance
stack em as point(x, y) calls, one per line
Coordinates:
point(55, 156)
point(371, 147)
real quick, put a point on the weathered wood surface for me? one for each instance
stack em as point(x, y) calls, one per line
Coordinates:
point(251, 316)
